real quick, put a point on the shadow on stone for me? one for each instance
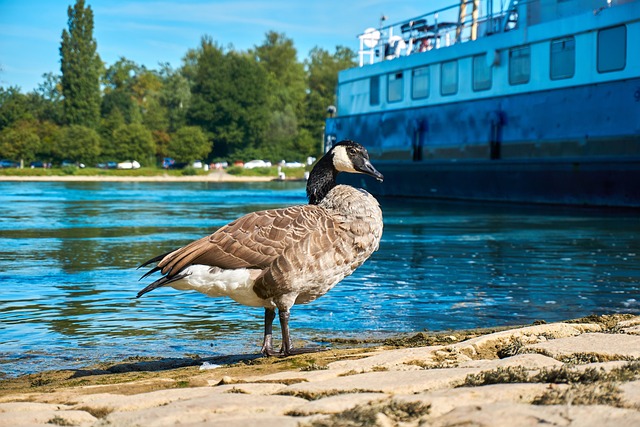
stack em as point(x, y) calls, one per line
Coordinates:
point(154, 365)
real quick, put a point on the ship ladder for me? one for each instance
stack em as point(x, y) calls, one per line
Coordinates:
point(462, 16)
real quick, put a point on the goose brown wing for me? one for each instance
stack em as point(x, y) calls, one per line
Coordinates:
point(321, 249)
point(252, 241)
point(341, 240)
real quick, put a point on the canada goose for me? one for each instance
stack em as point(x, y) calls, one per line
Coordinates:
point(280, 257)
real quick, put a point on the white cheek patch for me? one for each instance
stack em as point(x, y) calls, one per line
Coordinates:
point(341, 160)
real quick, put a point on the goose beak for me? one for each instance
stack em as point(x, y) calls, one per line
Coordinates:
point(368, 169)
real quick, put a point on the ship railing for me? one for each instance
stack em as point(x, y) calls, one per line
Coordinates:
point(458, 23)
point(465, 21)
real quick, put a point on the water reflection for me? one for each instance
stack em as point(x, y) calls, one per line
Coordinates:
point(68, 253)
point(498, 264)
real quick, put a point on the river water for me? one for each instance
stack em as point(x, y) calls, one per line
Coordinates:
point(69, 251)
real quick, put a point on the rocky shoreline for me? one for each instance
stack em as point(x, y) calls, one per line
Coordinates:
point(584, 372)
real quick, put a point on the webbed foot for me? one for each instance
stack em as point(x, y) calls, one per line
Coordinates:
point(287, 348)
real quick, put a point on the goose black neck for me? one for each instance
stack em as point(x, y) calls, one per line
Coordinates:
point(321, 179)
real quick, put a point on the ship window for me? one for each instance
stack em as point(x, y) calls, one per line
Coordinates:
point(394, 87)
point(481, 73)
point(612, 49)
point(563, 58)
point(374, 90)
point(449, 78)
point(519, 65)
point(420, 83)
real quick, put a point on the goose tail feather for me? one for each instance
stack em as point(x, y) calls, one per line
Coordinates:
point(149, 273)
point(161, 282)
point(154, 259)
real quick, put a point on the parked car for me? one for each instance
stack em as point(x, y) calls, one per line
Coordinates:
point(168, 162)
point(197, 164)
point(40, 164)
point(257, 164)
point(220, 165)
point(66, 163)
point(293, 165)
point(8, 164)
point(129, 164)
point(107, 165)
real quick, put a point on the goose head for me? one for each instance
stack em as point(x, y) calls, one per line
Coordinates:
point(349, 156)
point(345, 156)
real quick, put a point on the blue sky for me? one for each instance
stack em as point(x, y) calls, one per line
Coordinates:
point(148, 32)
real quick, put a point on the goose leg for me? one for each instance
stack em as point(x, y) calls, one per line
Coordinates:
point(267, 343)
point(287, 346)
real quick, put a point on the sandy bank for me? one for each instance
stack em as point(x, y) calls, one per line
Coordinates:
point(578, 373)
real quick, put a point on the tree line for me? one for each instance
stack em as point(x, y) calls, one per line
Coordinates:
point(220, 104)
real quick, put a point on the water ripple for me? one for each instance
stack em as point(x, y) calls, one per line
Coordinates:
point(68, 253)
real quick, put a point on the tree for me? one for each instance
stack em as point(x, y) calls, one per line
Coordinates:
point(229, 98)
point(135, 92)
point(49, 133)
point(14, 106)
point(154, 114)
point(108, 125)
point(322, 80)
point(146, 86)
point(175, 96)
point(278, 56)
point(189, 143)
point(132, 142)
point(77, 143)
point(120, 75)
point(280, 136)
point(20, 141)
point(81, 68)
point(121, 102)
point(118, 94)
point(48, 95)
point(161, 139)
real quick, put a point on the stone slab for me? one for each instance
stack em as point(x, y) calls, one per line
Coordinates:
point(631, 393)
point(515, 414)
point(120, 402)
point(530, 361)
point(16, 414)
point(444, 401)
point(339, 403)
point(386, 382)
point(387, 359)
point(207, 409)
point(486, 346)
point(607, 346)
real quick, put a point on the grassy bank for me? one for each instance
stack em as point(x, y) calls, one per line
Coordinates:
point(74, 171)
point(292, 173)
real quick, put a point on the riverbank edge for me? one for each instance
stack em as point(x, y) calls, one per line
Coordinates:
point(212, 177)
point(562, 373)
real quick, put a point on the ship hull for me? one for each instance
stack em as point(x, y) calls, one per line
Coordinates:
point(572, 146)
point(578, 182)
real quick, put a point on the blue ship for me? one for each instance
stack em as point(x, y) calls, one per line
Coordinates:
point(536, 103)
